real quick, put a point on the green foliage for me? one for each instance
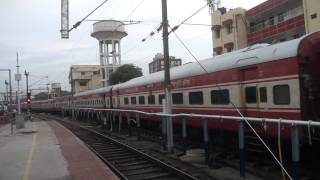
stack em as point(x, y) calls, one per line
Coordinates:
point(124, 73)
point(41, 96)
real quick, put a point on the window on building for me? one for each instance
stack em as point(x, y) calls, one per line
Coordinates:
point(151, 99)
point(313, 16)
point(126, 100)
point(229, 49)
point(228, 28)
point(281, 94)
point(251, 94)
point(83, 83)
point(220, 96)
point(296, 36)
point(141, 100)
point(263, 94)
point(282, 40)
point(196, 97)
point(252, 26)
point(96, 72)
point(83, 73)
point(217, 33)
point(177, 98)
point(161, 97)
point(133, 100)
point(271, 21)
point(280, 17)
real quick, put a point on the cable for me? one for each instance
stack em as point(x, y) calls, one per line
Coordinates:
point(135, 9)
point(77, 24)
point(238, 111)
point(177, 26)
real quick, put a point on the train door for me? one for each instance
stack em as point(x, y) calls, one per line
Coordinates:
point(250, 92)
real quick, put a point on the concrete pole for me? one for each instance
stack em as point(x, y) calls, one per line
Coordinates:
point(19, 116)
point(18, 83)
point(167, 83)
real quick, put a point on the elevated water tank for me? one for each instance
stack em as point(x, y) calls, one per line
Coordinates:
point(109, 34)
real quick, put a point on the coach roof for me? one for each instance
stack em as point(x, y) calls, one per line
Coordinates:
point(255, 54)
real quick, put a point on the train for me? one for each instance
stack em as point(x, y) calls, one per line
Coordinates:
point(279, 81)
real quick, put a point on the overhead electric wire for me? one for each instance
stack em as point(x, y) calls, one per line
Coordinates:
point(237, 109)
point(196, 12)
point(79, 22)
point(134, 10)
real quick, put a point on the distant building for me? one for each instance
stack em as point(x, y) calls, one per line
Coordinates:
point(311, 15)
point(84, 77)
point(158, 63)
point(55, 89)
point(228, 30)
point(276, 20)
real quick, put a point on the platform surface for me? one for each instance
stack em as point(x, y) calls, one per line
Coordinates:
point(45, 150)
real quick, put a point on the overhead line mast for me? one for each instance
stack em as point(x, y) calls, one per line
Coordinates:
point(167, 83)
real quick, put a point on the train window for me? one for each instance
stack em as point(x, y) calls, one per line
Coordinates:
point(251, 94)
point(196, 97)
point(281, 94)
point(126, 100)
point(151, 99)
point(108, 101)
point(161, 97)
point(133, 100)
point(113, 101)
point(220, 96)
point(177, 98)
point(141, 100)
point(118, 100)
point(263, 94)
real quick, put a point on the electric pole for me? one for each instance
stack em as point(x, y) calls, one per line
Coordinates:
point(167, 84)
point(27, 75)
point(19, 117)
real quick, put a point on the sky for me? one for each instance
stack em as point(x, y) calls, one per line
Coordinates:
point(32, 28)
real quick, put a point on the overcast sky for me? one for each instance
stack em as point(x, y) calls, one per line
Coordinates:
point(32, 29)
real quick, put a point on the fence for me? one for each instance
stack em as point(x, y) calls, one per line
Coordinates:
point(111, 113)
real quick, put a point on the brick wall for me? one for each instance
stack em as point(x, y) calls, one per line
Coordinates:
point(265, 6)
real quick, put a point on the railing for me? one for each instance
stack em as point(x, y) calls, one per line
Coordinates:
point(111, 113)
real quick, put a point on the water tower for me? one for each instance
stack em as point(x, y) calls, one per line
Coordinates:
point(109, 33)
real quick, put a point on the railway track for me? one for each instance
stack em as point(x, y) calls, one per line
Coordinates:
point(127, 162)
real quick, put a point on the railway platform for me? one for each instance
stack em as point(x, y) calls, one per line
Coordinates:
point(45, 150)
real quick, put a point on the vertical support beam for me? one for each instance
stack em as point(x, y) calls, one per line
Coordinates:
point(184, 133)
point(111, 121)
point(206, 139)
point(138, 124)
point(120, 122)
point(295, 152)
point(164, 132)
point(242, 149)
point(129, 124)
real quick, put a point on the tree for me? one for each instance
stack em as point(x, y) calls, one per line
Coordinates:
point(41, 96)
point(124, 73)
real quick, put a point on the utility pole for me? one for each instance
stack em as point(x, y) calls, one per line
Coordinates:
point(28, 95)
point(7, 95)
point(27, 75)
point(19, 117)
point(167, 84)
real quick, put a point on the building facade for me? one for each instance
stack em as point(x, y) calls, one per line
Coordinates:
point(55, 89)
point(275, 21)
point(158, 63)
point(228, 30)
point(84, 78)
point(311, 15)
